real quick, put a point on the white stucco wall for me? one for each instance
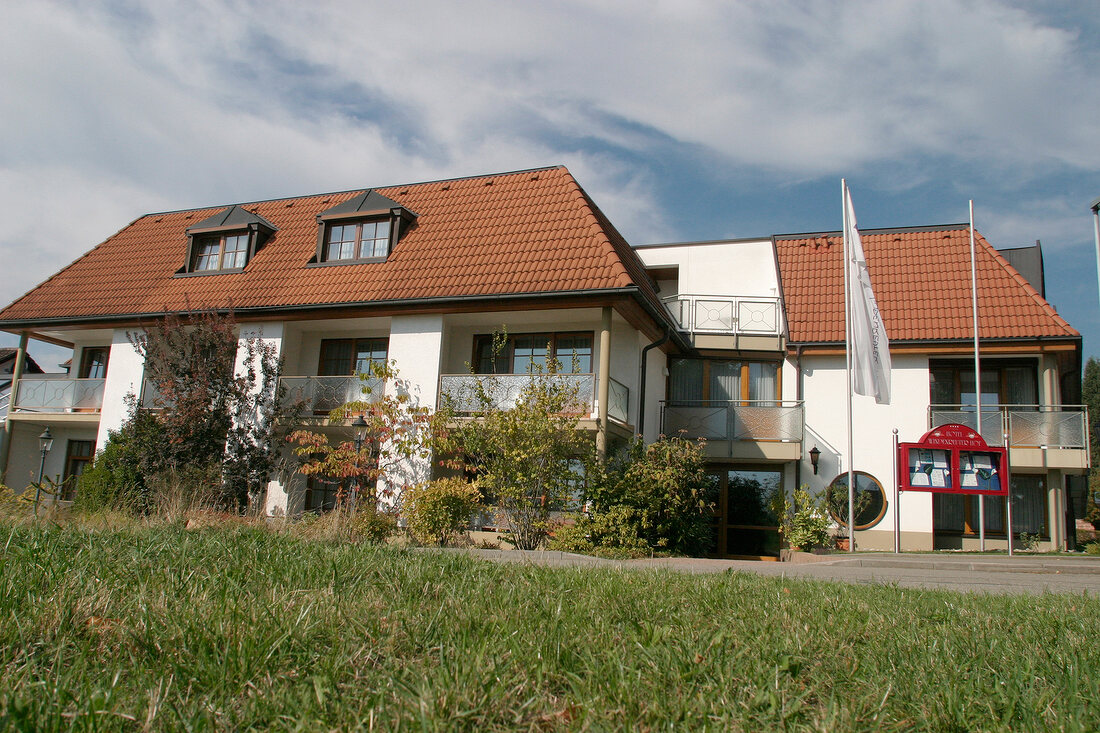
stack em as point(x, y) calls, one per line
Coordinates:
point(826, 428)
point(26, 455)
point(718, 268)
point(125, 369)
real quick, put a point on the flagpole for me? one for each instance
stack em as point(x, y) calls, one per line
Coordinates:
point(977, 369)
point(848, 369)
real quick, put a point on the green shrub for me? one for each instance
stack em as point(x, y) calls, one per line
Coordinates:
point(659, 491)
point(803, 522)
point(117, 480)
point(436, 511)
point(618, 531)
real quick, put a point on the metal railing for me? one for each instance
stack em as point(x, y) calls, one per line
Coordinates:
point(503, 391)
point(618, 401)
point(1027, 426)
point(322, 395)
point(42, 393)
point(725, 314)
point(745, 420)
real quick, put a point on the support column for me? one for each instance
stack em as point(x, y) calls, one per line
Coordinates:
point(267, 334)
point(1056, 509)
point(416, 348)
point(603, 377)
point(17, 373)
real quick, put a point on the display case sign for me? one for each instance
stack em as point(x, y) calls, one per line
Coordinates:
point(953, 459)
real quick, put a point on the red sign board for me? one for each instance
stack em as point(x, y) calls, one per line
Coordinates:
point(953, 459)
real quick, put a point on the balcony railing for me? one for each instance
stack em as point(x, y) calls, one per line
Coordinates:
point(618, 401)
point(741, 420)
point(504, 390)
point(1027, 426)
point(322, 395)
point(42, 393)
point(725, 314)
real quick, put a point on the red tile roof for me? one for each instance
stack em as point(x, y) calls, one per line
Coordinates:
point(529, 232)
point(921, 279)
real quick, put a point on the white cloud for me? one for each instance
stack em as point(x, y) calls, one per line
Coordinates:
point(111, 110)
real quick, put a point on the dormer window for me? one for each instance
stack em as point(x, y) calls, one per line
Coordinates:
point(225, 252)
point(360, 241)
point(225, 242)
point(365, 228)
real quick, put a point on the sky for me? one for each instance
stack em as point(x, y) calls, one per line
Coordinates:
point(684, 120)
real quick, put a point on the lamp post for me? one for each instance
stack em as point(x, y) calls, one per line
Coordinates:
point(45, 442)
point(360, 426)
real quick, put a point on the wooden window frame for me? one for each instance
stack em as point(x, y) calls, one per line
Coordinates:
point(199, 238)
point(323, 256)
point(551, 338)
point(743, 379)
point(970, 517)
point(85, 358)
point(69, 487)
point(354, 341)
point(1000, 366)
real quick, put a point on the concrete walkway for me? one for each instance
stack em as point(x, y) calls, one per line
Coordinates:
point(951, 571)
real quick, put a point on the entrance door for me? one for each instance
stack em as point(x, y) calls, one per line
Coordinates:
point(746, 525)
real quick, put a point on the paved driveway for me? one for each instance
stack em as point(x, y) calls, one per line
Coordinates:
point(968, 573)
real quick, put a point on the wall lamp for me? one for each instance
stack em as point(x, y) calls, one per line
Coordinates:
point(815, 456)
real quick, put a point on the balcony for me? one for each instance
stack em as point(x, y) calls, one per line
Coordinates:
point(1039, 436)
point(765, 429)
point(732, 322)
point(58, 394)
point(503, 390)
point(317, 396)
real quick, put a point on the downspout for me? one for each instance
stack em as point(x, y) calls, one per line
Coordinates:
point(16, 375)
point(641, 379)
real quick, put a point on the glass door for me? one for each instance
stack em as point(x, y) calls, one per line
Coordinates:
point(745, 524)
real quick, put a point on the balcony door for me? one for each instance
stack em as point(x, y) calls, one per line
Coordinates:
point(744, 523)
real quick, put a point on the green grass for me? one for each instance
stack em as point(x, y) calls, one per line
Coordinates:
point(235, 627)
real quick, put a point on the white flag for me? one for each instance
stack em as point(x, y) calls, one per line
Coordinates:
point(869, 346)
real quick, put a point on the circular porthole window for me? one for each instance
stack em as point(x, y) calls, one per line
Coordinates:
point(870, 500)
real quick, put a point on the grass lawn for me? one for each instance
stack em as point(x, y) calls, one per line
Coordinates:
point(235, 627)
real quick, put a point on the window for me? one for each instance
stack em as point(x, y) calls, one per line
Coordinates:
point(219, 252)
point(78, 456)
point(321, 495)
point(1003, 383)
point(958, 513)
point(93, 363)
point(525, 353)
point(870, 504)
point(702, 380)
point(357, 241)
point(344, 357)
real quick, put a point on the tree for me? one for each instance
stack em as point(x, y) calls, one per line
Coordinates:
point(214, 422)
point(523, 454)
point(1090, 394)
point(395, 451)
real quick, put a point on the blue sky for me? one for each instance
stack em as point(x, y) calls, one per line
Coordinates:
point(684, 120)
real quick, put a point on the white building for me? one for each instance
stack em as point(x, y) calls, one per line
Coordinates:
point(737, 342)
